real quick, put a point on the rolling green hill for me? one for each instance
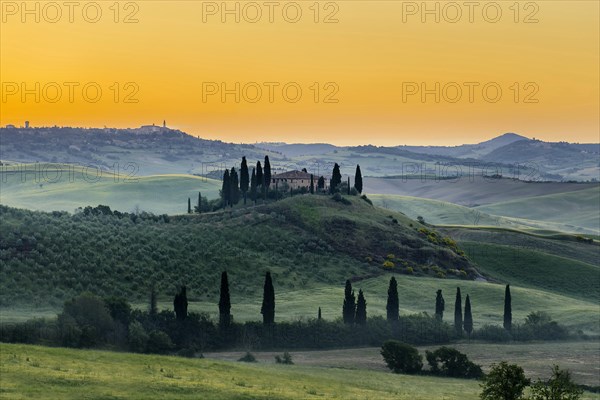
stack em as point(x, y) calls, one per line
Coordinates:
point(60, 187)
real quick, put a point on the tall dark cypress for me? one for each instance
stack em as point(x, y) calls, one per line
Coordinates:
point(348, 186)
point(189, 206)
point(360, 317)
point(440, 305)
point(392, 301)
point(321, 183)
point(234, 187)
point(267, 173)
point(253, 186)
point(259, 175)
point(224, 302)
point(244, 178)
point(458, 319)
point(312, 184)
point(225, 190)
point(349, 307)
point(268, 304)
point(319, 317)
point(336, 178)
point(358, 183)
point(468, 323)
point(199, 206)
point(507, 309)
point(180, 304)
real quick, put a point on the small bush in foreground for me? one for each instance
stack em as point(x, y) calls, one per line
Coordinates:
point(285, 359)
point(504, 382)
point(248, 357)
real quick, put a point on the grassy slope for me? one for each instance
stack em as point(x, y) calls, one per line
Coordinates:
point(64, 190)
point(578, 208)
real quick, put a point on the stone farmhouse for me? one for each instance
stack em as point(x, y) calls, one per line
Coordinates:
point(295, 180)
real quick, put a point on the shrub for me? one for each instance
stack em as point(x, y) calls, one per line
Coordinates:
point(159, 342)
point(401, 357)
point(248, 357)
point(365, 198)
point(453, 363)
point(137, 338)
point(492, 333)
point(341, 199)
point(285, 359)
point(388, 264)
point(544, 328)
point(505, 381)
point(558, 387)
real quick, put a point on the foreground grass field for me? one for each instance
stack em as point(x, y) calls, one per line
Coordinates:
point(54, 373)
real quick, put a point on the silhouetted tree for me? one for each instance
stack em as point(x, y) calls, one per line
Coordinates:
point(458, 319)
point(189, 206)
point(267, 173)
point(268, 304)
point(468, 323)
point(153, 309)
point(336, 178)
point(349, 307)
point(312, 184)
point(321, 183)
point(360, 317)
point(507, 309)
point(244, 178)
point(199, 206)
point(234, 187)
point(259, 175)
point(392, 301)
point(319, 317)
point(253, 186)
point(358, 183)
point(440, 305)
point(180, 304)
point(224, 302)
point(504, 382)
point(225, 190)
point(348, 186)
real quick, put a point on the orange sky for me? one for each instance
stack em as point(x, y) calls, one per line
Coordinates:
point(372, 57)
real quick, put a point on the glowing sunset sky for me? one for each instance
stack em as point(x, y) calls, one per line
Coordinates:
point(372, 54)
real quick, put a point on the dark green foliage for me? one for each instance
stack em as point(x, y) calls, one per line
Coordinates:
point(198, 207)
point(234, 187)
point(493, 333)
point(450, 362)
point(458, 317)
point(360, 317)
point(340, 199)
point(260, 180)
point(507, 309)
point(253, 185)
point(365, 198)
point(393, 303)
point(285, 359)
point(468, 322)
point(312, 184)
point(86, 320)
point(153, 307)
point(319, 314)
point(358, 183)
point(348, 187)
point(401, 358)
point(268, 304)
point(189, 206)
point(225, 189)
point(267, 173)
point(504, 382)
point(440, 305)
point(119, 309)
point(539, 325)
point(321, 183)
point(224, 302)
point(560, 386)
point(336, 179)
point(180, 304)
point(349, 307)
point(137, 337)
point(248, 357)
point(159, 343)
point(244, 178)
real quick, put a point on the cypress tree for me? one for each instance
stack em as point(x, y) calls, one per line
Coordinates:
point(268, 304)
point(392, 301)
point(153, 309)
point(199, 206)
point(440, 305)
point(253, 186)
point(358, 184)
point(348, 186)
point(361, 309)
point(336, 178)
point(267, 173)
point(244, 178)
point(321, 183)
point(225, 191)
point(507, 309)
point(259, 175)
point(224, 302)
point(312, 184)
point(349, 307)
point(468, 323)
point(189, 206)
point(458, 319)
point(319, 317)
point(234, 187)
point(180, 304)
